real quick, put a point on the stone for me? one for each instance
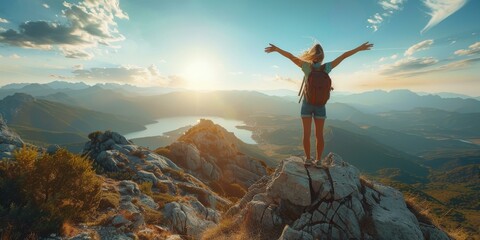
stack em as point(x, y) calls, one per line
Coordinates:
point(120, 220)
point(291, 183)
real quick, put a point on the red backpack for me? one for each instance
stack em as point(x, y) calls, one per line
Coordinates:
point(317, 87)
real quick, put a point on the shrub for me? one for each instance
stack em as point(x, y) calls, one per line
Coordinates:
point(146, 188)
point(161, 199)
point(178, 175)
point(202, 195)
point(138, 153)
point(109, 200)
point(164, 151)
point(420, 210)
point(94, 135)
point(234, 190)
point(162, 187)
point(39, 192)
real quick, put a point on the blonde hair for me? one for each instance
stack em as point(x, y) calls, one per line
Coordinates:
point(316, 51)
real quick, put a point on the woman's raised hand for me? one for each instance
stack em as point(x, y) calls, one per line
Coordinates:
point(271, 48)
point(365, 46)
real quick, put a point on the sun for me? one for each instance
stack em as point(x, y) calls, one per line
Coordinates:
point(201, 73)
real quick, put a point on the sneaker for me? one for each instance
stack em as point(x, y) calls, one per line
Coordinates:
point(318, 163)
point(308, 162)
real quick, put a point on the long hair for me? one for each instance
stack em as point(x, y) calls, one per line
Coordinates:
point(315, 52)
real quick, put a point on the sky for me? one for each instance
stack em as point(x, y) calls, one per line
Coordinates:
point(421, 45)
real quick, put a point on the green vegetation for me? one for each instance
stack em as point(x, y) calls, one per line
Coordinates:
point(39, 192)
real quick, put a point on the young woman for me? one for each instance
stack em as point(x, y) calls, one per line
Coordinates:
point(313, 58)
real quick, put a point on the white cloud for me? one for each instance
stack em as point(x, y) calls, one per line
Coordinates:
point(441, 9)
point(45, 5)
point(389, 7)
point(15, 56)
point(275, 66)
point(407, 65)
point(78, 67)
point(236, 73)
point(472, 49)
point(89, 24)
point(375, 21)
point(394, 56)
point(147, 76)
point(382, 59)
point(3, 20)
point(418, 47)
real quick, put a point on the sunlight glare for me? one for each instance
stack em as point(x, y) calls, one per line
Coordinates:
point(201, 74)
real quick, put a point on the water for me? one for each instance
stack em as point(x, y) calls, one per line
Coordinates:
point(164, 125)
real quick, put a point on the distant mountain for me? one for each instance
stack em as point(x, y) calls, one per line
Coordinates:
point(61, 98)
point(231, 104)
point(432, 123)
point(279, 92)
point(67, 85)
point(34, 89)
point(381, 101)
point(25, 112)
point(370, 155)
point(14, 86)
point(409, 143)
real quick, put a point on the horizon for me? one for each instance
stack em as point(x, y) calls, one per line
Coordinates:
point(294, 93)
point(420, 46)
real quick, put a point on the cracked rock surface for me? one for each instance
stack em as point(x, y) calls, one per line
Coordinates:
point(331, 202)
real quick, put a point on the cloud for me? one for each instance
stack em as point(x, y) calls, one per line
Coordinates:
point(60, 77)
point(176, 81)
point(147, 76)
point(15, 56)
point(389, 7)
point(394, 56)
point(456, 65)
point(236, 73)
point(45, 5)
point(275, 66)
point(78, 67)
point(441, 9)
point(472, 49)
point(89, 24)
point(3, 20)
point(407, 64)
point(287, 80)
point(375, 21)
point(418, 47)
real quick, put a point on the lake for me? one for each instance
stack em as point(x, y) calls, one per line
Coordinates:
point(164, 125)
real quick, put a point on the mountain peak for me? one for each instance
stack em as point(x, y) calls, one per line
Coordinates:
point(331, 202)
point(20, 97)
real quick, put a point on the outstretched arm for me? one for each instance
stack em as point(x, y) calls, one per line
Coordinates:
point(286, 54)
point(365, 46)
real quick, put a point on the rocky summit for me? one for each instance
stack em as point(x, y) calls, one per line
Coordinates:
point(210, 152)
point(9, 140)
point(332, 202)
point(178, 200)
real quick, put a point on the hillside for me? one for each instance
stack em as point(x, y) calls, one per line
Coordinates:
point(45, 122)
point(401, 100)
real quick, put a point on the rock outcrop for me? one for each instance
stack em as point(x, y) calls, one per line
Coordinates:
point(185, 204)
point(210, 152)
point(9, 140)
point(332, 202)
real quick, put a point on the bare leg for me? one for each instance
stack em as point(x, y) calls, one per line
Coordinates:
point(319, 123)
point(307, 127)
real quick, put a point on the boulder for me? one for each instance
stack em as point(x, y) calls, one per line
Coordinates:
point(328, 203)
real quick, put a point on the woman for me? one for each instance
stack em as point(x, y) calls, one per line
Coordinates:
point(313, 58)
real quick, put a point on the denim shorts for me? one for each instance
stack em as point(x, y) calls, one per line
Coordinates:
point(309, 110)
